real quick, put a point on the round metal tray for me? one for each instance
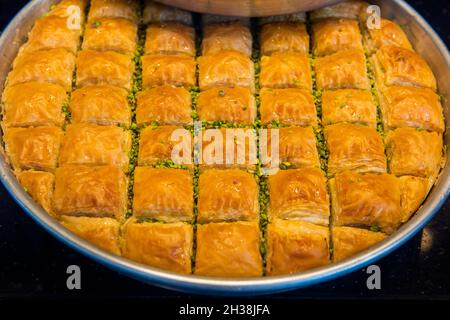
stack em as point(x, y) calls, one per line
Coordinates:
point(426, 43)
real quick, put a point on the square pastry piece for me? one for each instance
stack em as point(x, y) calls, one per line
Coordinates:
point(106, 34)
point(367, 200)
point(348, 241)
point(288, 107)
point(126, 9)
point(389, 33)
point(33, 104)
point(48, 66)
point(285, 70)
point(284, 37)
point(299, 194)
point(155, 12)
point(413, 192)
point(226, 69)
point(163, 194)
point(100, 104)
point(103, 232)
point(218, 37)
point(333, 35)
point(354, 147)
point(414, 152)
point(93, 145)
point(228, 250)
point(156, 145)
point(411, 107)
point(295, 246)
point(232, 105)
point(176, 70)
point(33, 148)
point(162, 245)
point(342, 70)
point(95, 67)
point(349, 105)
point(39, 186)
point(227, 195)
point(398, 66)
point(164, 105)
point(90, 191)
point(171, 38)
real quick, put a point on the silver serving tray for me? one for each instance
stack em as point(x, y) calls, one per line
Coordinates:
point(426, 42)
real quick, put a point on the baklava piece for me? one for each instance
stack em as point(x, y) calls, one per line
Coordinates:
point(93, 145)
point(219, 37)
point(413, 193)
point(285, 70)
point(368, 200)
point(414, 152)
point(176, 70)
point(90, 191)
point(162, 245)
point(33, 148)
point(126, 9)
point(158, 13)
point(95, 67)
point(354, 147)
point(284, 37)
point(39, 186)
point(288, 107)
point(299, 194)
point(170, 38)
point(103, 232)
point(163, 194)
point(349, 105)
point(389, 33)
point(348, 241)
point(342, 70)
point(228, 250)
point(295, 246)
point(33, 104)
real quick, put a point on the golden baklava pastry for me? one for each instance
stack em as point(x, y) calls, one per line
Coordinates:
point(411, 107)
point(289, 106)
point(64, 9)
point(297, 147)
point(285, 70)
point(299, 194)
point(106, 34)
point(219, 37)
point(342, 70)
point(164, 194)
point(295, 246)
point(90, 191)
point(51, 66)
point(368, 200)
point(233, 105)
point(103, 232)
point(162, 245)
point(414, 152)
point(226, 69)
point(333, 35)
point(126, 9)
point(283, 37)
point(156, 13)
point(156, 144)
point(227, 148)
point(389, 33)
point(167, 105)
point(108, 67)
point(413, 192)
point(33, 148)
point(39, 185)
point(94, 145)
point(354, 147)
point(100, 104)
point(176, 70)
point(349, 105)
point(348, 241)
point(399, 66)
point(53, 32)
point(228, 250)
point(227, 195)
point(33, 104)
point(171, 38)
point(297, 17)
point(351, 9)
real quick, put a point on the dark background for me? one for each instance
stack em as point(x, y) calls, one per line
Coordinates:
point(33, 264)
